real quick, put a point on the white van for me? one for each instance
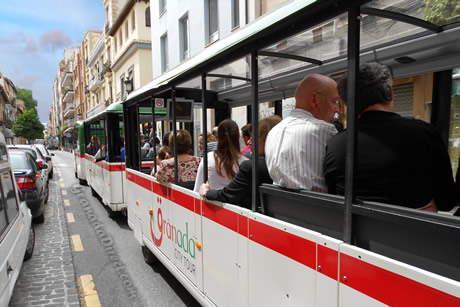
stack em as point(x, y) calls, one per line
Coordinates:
point(17, 235)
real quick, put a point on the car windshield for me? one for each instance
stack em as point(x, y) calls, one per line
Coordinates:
point(19, 161)
point(43, 150)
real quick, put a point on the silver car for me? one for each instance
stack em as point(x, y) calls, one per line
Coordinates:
point(17, 236)
point(48, 158)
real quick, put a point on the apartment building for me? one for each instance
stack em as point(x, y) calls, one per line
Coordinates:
point(128, 45)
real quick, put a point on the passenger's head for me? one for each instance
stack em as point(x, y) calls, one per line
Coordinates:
point(210, 138)
point(166, 139)
point(318, 95)
point(265, 125)
point(214, 131)
point(184, 142)
point(246, 133)
point(374, 86)
point(164, 152)
point(228, 152)
point(228, 136)
point(94, 139)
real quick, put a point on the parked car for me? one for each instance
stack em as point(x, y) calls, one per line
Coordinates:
point(35, 152)
point(32, 180)
point(48, 158)
point(17, 235)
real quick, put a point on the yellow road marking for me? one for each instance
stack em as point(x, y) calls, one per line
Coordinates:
point(64, 193)
point(66, 202)
point(77, 246)
point(70, 218)
point(62, 185)
point(88, 289)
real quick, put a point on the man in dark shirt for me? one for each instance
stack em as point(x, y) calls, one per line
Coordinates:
point(400, 161)
point(239, 190)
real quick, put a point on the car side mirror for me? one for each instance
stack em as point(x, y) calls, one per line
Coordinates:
point(44, 166)
point(52, 154)
point(48, 159)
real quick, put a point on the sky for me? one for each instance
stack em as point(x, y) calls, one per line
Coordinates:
point(33, 35)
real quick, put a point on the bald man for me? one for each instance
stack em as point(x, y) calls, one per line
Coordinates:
point(295, 148)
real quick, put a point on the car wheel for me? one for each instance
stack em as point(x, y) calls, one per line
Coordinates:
point(149, 257)
point(30, 244)
point(50, 176)
point(39, 219)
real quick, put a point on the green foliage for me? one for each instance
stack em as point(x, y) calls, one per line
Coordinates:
point(26, 96)
point(442, 12)
point(28, 126)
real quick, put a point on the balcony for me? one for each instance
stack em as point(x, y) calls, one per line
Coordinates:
point(95, 83)
point(69, 111)
point(94, 111)
point(66, 78)
point(68, 95)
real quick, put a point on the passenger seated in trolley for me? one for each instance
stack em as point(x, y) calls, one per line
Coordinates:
point(187, 164)
point(400, 161)
point(93, 146)
point(239, 190)
point(224, 162)
point(210, 139)
point(295, 148)
point(164, 152)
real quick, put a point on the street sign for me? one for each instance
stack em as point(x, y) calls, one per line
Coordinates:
point(159, 103)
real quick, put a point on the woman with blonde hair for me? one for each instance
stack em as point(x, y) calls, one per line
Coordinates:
point(187, 164)
point(224, 162)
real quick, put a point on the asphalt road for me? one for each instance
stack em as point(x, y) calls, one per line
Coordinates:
point(110, 253)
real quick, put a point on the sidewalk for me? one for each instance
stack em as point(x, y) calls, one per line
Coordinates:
point(48, 278)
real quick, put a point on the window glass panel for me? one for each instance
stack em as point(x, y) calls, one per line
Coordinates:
point(235, 13)
point(147, 17)
point(164, 53)
point(3, 153)
point(454, 133)
point(184, 36)
point(3, 221)
point(213, 27)
point(437, 12)
point(10, 196)
point(133, 20)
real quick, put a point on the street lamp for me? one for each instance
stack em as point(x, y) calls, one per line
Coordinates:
point(128, 85)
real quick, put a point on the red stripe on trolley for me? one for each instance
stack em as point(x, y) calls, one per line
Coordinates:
point(219, 215)
point(141, 181)
point(160, 190)
point(328, 262)
point(283, 242)
point(182, 199)
point(390, 288)
point(243, 225)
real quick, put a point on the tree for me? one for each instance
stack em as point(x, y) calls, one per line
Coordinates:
point(26, 96)
point(442, 12)
point(28, 126)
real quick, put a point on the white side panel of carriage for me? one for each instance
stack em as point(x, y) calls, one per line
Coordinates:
point(88, 170)
point(184, 253)
point(139, 200)
point(243, 260)
point(327, 288)
point(276, 280)
point(352, 297)
point(113, 188)
point(220, 260)
point(80, 167)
